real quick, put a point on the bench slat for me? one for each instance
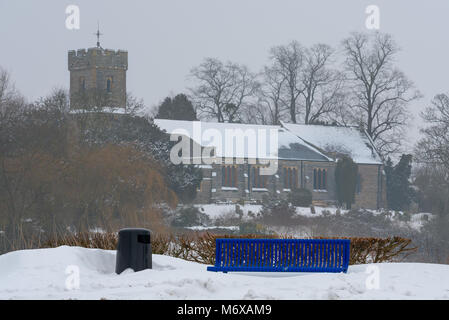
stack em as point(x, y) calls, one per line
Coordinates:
point(274, 255)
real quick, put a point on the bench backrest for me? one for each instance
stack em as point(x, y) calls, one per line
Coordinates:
point(306, 255)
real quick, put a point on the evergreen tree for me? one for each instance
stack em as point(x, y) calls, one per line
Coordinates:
point(177, 108)
point(399, 191)
point(389, 173)
point(346, 174)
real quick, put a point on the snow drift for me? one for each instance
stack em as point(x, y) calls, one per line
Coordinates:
point(42, 274)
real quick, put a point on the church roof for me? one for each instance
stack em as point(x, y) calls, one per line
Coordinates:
point(289, 146)
point(338, 140)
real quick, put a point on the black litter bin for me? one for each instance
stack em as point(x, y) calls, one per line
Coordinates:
point(133, 250)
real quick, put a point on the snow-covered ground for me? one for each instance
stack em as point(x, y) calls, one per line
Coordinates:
point(215, 211)
point(45, 273)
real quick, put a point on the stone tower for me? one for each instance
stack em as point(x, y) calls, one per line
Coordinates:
point(97, 72)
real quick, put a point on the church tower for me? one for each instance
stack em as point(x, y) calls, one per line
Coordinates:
point(97, 77)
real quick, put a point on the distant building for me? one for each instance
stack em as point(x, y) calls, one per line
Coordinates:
point(306, 157)
point(97, 77)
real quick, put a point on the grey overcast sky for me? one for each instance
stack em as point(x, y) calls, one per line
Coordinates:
point(166, 38)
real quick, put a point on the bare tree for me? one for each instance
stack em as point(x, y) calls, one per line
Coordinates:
point(432, 156)
point(57, 100)
point(380, 92)
point(271, 106)
point(433, 148)
point(287, 61)
point(256, 113)
point(323, 87)
point(12, 108)
point(223, 89)
point(134, 105)
point(11, 101)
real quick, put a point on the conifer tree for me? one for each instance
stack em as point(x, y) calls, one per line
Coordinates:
point(177, 108)
point(399, 191)
point(346, 174)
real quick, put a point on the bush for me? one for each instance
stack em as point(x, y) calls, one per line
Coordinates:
point(434, 240)
point(189, 216)
point(300, 197)
point(277, 211)
point(378, 250)
point(200, 247)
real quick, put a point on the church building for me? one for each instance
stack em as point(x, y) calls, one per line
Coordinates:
point(306, 155)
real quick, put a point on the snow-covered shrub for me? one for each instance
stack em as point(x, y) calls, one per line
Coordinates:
point(239, 211)
point(277, 211)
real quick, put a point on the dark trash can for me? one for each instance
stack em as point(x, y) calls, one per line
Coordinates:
point(133, 250)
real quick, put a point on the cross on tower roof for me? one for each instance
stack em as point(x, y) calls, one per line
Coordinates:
point(98, 34)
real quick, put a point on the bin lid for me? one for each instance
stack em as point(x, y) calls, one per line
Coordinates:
point(134, 230)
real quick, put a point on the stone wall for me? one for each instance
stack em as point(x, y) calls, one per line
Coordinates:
point(212, 191)
point(327, 196)
point(96, 66)
point(370, 187)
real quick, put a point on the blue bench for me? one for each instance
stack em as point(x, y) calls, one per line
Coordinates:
point(285, 255)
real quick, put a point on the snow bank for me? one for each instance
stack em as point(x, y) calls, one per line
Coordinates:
point(41, 274)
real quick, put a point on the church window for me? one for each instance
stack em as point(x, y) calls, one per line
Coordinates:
point(319, 179)
point(259, 181)
point(229, 176)
point(82, 83)
point(109, 84)
point(290, 177)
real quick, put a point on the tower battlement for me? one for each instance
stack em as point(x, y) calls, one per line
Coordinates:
point(97, 77)
point(97, 57)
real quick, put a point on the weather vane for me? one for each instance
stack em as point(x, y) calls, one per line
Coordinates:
point(98, 34)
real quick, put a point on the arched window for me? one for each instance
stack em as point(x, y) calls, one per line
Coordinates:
point(229, 176)
point(82, 83)
point(259, 181)
point(319, 179)
point(109, 84)
point(323, 180)
point(290, 178)
point(295, 178)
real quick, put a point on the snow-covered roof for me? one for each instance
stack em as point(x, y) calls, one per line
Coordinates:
point(114, 110)
point(338, 140)
point(260, 140)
